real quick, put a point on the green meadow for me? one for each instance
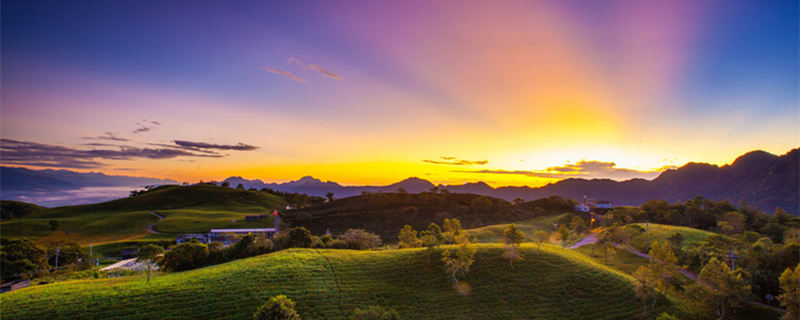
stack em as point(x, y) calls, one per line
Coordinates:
point(329, 284)
point(185, 209)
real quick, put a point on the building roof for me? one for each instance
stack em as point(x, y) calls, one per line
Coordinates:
point(242, 230)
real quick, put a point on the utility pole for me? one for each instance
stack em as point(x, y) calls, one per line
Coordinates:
point(647, 236)
point(57, 251)
point(732, 256)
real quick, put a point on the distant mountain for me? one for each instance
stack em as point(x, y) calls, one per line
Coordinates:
point(759, 178)
point(64, 187)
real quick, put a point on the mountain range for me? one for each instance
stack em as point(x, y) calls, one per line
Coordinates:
point(759, 178)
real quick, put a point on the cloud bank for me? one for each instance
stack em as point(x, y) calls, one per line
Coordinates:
point(582, 169)
point(48, 155)
point(456, 162)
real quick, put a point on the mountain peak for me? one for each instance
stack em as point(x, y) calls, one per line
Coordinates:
point(754, 158)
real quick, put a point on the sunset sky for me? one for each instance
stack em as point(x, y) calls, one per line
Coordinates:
point(372, 92)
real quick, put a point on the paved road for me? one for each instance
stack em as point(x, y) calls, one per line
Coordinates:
point(150, 226)
point(587, 240)
point(592, 238)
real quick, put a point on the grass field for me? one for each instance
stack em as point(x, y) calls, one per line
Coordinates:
point(330, 284)
point(494, 233)
point(186, 209)
point(660, 232)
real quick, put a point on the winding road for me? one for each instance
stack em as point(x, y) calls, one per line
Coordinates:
point(592, 238)
point(150, 226)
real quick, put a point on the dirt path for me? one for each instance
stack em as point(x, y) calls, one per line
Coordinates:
point(150, 226)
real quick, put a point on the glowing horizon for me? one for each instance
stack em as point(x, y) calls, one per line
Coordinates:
point(373, 93)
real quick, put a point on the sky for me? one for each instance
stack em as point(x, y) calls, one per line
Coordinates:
point(372, 92)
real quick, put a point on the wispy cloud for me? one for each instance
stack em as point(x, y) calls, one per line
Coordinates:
point(456, 162)
point(106, 136)
point(146, 125)
point(581, 169)
point(314, 67)
point(284, 73)
point(48, 155)
point(205, 145)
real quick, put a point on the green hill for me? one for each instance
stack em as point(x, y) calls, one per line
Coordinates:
point(185, 208)
point(386, 213)
point(330, 284)
point(660, 232)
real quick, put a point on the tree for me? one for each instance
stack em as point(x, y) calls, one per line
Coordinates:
point(360, 239)
point(452, 230)
point(375, 313)
point(21, 258)
point(408, 238)
point(68, 253)
point(329, 195)
point(663, 265)
point(185, 256)
point(240, 186)
point(563, 234)
point(225, 184)
point(645, 286)
point(541, 236)
point(790, 298)
point(480, 204)
point(457, 261)
point(512, 237)
point(54, 224)
point(298, 237)
point(732, 223)
point(578, 225)
point(722, 287)
point(431, 238)
point(277, 308)
point(148, 255)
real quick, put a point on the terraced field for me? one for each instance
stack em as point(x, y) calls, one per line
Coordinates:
point(330, 284)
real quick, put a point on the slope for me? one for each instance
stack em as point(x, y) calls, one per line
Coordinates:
point(186, 208)
point(330, 284)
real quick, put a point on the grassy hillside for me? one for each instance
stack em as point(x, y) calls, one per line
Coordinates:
point(330, 284)
point(185, 208)
point(386, 213)
point(494, 233)
point(10, 209)
point(660, 232)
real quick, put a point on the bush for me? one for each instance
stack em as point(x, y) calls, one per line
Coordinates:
point(185, 256)
point(375, 313)
point(277, 308)
point(298, 237)
point(360, 239)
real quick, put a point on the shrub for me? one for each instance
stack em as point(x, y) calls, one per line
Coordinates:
point(360, 239)
point(185, 256)
point(298, 237)
point(375, 313)
point(277, 308)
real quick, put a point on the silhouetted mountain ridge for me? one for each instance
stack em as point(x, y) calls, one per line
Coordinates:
point(759, 178)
